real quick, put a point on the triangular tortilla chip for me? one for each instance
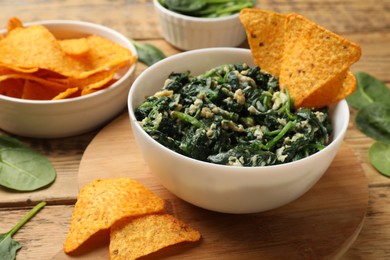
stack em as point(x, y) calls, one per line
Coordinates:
point(265, 32)
point(335, 90)
point(132, 239)
point(13, 23)
point(75, 47)
point(313, 57)
point(103, 202)
point(35, 91)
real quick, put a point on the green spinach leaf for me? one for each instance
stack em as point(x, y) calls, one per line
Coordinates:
point(7, 141)
point(23, 168)
point(371, 98)
point(185, 6)
point(148, 53)
point(374, 121)
point(9, 246)
point(379, 155)
point(368, 90)
point(207, 8)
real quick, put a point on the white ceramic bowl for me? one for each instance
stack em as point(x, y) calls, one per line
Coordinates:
point(68, 117)
point(189, 33)
point(229, 189)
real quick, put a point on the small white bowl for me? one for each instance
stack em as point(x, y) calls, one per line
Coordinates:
point(73, 116)
point(189, 33)
point(228, 189)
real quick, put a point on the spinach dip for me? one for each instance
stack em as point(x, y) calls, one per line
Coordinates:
point(233, 114)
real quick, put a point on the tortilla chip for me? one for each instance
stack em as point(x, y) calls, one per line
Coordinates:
point(18, 69)
point(35, 47)
point(131, 239)
point(337, 89)
point(96, 81)
point(265, 32)
point(71, 67)
point(67, 93)
point(103, 202)
point(5, 70)
point(75, 47)
point(58, 87)
point(12, 87)
point(103, 54)
point(35, 91)
point(31, 47)
point(14, 23)
point(310, 61)
point(313, 57)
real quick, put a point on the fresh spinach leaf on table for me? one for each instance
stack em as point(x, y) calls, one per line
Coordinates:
point(374, 121)
point(23, 168)
point(368, 90)
point(379, 155)
point(371, 99)
point(9, 246)
point(148, 53)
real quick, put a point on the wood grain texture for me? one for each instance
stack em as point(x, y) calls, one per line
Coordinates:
point(135, 19)
point(54, 220)
point(42, 237)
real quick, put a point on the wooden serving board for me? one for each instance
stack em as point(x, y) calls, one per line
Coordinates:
point(322, 224)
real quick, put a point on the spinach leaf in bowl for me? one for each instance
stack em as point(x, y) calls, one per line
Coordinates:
point(207, 8)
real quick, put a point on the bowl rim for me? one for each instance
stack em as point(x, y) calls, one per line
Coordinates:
point(336, 140)
point(129, 71)
point(194, 18)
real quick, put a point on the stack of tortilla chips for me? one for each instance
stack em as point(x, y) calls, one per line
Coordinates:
point(312, 63)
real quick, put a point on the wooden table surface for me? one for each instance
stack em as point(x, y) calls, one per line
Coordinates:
point(366, 22)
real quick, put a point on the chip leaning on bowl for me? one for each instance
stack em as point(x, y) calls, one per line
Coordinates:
point(311, 62)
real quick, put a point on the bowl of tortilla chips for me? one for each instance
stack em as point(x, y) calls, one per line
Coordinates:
point(62, 78)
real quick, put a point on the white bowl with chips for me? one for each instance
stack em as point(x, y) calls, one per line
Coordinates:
point(72, 116)
point(189, 33)
point(228, 189)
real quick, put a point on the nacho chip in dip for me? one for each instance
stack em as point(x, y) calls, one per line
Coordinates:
point(312, 63)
